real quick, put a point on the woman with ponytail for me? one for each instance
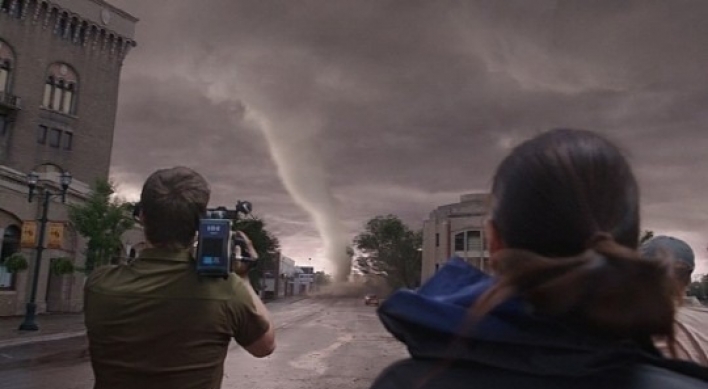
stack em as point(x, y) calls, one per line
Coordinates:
point(571, 303)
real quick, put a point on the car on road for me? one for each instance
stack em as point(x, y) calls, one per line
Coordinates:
point(371, 299)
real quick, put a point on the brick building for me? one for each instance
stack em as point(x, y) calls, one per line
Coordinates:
point(456, 230)
point(60, 65)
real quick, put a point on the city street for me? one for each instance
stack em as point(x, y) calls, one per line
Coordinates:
point(322, 343)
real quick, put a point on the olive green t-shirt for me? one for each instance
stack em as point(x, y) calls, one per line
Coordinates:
point(155, 323)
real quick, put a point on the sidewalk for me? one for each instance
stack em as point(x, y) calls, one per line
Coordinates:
point(51, 327)
point(60, 337)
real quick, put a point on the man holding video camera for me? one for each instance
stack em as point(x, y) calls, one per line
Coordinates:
point(155, 323)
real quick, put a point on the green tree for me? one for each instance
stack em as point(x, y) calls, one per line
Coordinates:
point(697, 289)
point(703, 283)
point(266, 244)
point(102, 220)
point(390, 249)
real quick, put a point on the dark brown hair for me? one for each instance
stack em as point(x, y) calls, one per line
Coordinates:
point(566, 207)
point(172, 202)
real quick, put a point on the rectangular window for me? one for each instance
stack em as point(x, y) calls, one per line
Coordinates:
point(460, 241)
point(68, 138)
point(82, 35)
point(42, 134)
point(437, 240)
point(66, 102)
point(19, 8)
point(73, 27)
point(5, 278)
point(47, 100)
point(4, 76)
point(474, 241)
point(56, 104)
point(62, 25)
point(54, 137)
point(3, 126)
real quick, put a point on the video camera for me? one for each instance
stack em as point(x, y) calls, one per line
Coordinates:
point(218, 246)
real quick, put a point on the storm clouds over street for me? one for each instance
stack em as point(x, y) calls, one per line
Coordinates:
point(377, 107)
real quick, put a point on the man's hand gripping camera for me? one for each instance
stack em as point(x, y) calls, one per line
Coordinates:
point(221, 250)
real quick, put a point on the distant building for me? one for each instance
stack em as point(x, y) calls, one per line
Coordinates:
point(285, 279)
point(456, 230)
point(304, 279)
point(60, 66)
point(287, 272)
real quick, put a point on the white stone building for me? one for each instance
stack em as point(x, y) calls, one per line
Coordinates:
point(456, 230)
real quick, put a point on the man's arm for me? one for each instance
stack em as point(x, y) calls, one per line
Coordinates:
point(264, 345)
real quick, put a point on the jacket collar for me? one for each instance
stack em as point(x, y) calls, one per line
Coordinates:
point(161, 254)
point(434, 322)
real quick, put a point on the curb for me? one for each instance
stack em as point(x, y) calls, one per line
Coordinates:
point(40, 339)
point(48, 351)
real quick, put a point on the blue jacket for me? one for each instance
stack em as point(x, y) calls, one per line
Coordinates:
point(510, 347)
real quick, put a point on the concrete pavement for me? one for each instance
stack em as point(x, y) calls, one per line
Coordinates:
point(340, 344)
point(324, 343)
point(61, 336)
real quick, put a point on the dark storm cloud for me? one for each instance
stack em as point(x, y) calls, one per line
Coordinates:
point(415, 102)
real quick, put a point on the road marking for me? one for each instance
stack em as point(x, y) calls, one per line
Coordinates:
point(316, 360)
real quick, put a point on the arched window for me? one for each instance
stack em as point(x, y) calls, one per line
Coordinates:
point(19, 7)
point(62, 25)
point(10, 245)
point(102, 39)
point(12, 7)
point(5, 5)
point(4, 75)
point(83, 32)
point(7, 58)
point(15, 10)
point(92, 35)
point(48, 89)
point(73, 30)
point(60, 89)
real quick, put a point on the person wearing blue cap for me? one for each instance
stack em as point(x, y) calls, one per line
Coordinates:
point(691, 330)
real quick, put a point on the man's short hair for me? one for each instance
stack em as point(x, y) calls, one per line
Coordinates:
point(677, 251)
point(172, 202)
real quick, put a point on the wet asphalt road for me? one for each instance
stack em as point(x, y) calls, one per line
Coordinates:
point(327, 343)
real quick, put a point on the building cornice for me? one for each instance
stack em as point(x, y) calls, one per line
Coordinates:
point(77, 26)
point(117, 10)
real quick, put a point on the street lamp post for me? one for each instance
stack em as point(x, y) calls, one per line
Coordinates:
point(29, 323)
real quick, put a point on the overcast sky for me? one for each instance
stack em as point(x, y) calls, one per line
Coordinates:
point(405, 105)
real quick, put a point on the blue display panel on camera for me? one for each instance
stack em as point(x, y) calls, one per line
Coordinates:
point(213, 249)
